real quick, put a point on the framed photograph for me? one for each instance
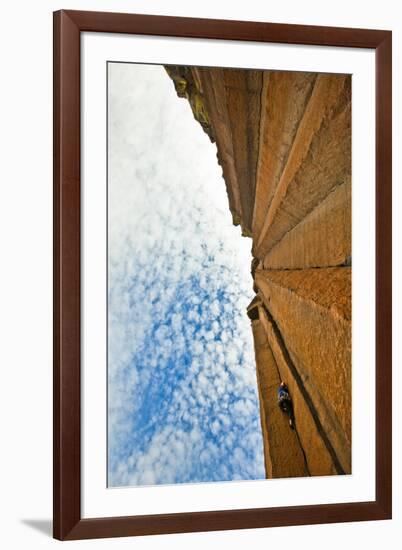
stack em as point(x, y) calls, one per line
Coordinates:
point(222, 275)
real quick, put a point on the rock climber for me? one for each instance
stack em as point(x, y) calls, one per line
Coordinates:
point(285, 403)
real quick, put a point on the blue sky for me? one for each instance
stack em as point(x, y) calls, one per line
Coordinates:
point(182, 394)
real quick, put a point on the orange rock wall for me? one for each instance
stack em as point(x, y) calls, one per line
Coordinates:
point(311, 308)
point(320, 459)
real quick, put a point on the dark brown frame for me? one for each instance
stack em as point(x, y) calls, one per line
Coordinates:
point(67, 481)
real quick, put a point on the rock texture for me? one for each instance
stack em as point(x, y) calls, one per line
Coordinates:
point(311, 309)
point(320, 460)
point(283, 453)
point(321, 239)
point(319, 160)
point(284, 100)
point(284, 143)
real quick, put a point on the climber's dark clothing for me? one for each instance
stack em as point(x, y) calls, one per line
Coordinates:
point(285, 403)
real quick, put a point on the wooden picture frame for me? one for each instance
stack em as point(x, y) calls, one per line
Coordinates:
point(68, 523)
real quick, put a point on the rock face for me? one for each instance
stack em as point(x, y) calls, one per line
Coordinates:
point(284, 144)
point(283, 453)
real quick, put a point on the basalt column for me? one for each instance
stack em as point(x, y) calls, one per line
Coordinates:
point(284, 143)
